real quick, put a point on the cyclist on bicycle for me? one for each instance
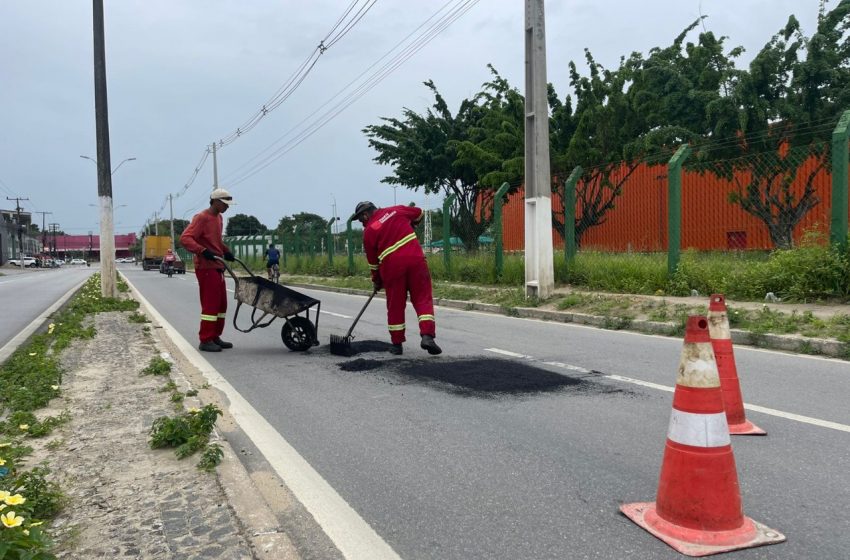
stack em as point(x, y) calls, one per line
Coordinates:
point(273, 259)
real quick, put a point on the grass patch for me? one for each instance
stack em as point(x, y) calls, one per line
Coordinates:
point(137, 317)
point(157, 366)
point(187, 433)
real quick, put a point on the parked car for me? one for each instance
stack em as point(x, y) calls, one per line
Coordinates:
point(28, 261)
point(78, 261)
point(60, 262)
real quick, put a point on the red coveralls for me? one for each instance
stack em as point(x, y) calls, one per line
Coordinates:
point(205, 233)
point(395, 255)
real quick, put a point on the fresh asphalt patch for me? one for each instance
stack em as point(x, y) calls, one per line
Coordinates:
point(481, 377)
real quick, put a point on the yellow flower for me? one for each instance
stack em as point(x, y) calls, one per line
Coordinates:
point(11, 520)
point(55, 387)
point(194, 410)
point(37, 523)
point(7, 444)
point(4, 494)
point(24, 427)
point(2, 462)
point(32, 353)
point(2, 507)
point(27, 532)
point(15, 500)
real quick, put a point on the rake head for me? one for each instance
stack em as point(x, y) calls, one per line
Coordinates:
point(341, 345)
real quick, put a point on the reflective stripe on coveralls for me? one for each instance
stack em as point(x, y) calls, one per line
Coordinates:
point(209, 317)
point(399, 327)
point(395, 246)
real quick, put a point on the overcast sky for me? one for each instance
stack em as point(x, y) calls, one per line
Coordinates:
point(184, 73)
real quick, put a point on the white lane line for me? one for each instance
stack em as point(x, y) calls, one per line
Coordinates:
point(354, 538)
point(13, 344)
point(754, 407)
point(340, 315)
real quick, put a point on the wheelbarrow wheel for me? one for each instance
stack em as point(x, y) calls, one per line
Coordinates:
point(298, 333)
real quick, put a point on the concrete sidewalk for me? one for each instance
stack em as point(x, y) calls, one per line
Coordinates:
point(126, 500)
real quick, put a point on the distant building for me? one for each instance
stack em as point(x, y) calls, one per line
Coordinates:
point(88, 246)
point(9, 245)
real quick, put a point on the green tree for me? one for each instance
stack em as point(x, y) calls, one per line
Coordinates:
point(243, 224)
point(303, 230)
point(779, 115)
point(465, 154)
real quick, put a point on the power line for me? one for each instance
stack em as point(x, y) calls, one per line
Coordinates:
point(297, 77)
point(459, 9)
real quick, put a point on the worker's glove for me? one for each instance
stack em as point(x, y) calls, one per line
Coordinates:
point(207, 254)
point(377, 284)
point(228, 256)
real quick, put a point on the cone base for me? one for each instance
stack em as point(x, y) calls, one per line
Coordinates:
point(746, 428)
point(693, 542)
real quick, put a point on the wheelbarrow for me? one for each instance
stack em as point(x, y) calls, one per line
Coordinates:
point(269, 299)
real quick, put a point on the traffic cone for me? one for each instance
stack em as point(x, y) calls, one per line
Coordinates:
point(698, 506)
point(721, 342)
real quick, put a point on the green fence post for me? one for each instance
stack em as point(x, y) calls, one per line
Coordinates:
point(570, 248)
point(447, 231)
point(349, 234)
point(674, 208)
point(331, 241)
point(497, 227)
point(838, 227)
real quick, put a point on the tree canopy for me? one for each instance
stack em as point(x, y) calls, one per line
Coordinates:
point(243, 224)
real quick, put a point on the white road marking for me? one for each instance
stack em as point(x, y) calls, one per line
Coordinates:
point(340, 315)
point(754, 407)
point(354, 538)
point(571, 325)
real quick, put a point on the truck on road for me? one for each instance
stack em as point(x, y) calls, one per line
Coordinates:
point(154, 248)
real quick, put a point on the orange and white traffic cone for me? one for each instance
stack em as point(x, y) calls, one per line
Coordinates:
point(698, 507)
point(721, 342)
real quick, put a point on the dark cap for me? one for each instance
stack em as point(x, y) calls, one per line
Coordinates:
point(362, 207)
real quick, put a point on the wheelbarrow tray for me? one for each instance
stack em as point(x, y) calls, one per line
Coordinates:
point(272, 298)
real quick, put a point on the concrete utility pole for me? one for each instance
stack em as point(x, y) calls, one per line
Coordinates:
point(53, 229)
point(171, 218)
point(43, 232)
point(19, 229)
point(539, 266)
point(215, 167)
point(104, 163)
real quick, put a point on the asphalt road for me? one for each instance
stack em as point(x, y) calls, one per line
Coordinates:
point(463, 470)
point(26, 294)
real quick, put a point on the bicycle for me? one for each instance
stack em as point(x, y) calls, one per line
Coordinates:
point(274, 275)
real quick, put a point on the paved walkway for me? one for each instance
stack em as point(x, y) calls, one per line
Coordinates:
point(126, 500)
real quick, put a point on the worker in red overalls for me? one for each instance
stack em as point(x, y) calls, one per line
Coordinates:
point(203, 238)
point(398, 266)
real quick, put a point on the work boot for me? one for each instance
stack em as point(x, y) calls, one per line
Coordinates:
point(209, 346)
point(222, 343)
point(396, 349)
point(429, 344)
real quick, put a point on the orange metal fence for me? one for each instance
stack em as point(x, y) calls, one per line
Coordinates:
point(710, 221)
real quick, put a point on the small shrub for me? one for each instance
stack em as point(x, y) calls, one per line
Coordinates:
point(211, 457)
point(187, 433)
point(157, 366)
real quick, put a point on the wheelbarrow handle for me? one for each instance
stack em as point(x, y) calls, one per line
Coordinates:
point(230, 271)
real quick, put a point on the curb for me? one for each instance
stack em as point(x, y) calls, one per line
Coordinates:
point(784, 342)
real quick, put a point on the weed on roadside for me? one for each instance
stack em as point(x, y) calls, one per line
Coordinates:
point(170, 386)
point(211, 457)
point(187, 433)
point(158, 366)
point(137, 317)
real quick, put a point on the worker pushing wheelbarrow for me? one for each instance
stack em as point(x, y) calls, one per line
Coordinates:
point(273, 300)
